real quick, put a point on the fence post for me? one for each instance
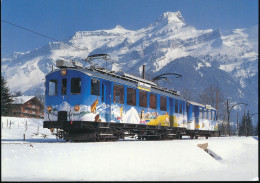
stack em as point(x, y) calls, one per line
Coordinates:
point(10, 125)
point(23, 137)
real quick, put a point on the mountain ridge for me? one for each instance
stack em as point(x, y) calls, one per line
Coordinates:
point(226, 59)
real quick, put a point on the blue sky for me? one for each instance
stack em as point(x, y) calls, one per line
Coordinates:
point(60, 19)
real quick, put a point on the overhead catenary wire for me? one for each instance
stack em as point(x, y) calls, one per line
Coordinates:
point(21, 27)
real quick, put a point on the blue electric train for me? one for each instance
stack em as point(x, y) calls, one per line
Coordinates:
point(94, 104)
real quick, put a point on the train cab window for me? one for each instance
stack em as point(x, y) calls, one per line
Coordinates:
point(131, 96)
point(142, 98)
point(118, 91)
point(63, 86)
point(163, 103)
point(180, 108)
point(176, 106)
point(53, 87)
point(75, 86)
point(153, 100)
point(95, 87)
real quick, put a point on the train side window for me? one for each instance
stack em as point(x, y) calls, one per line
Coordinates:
point(142, 98)
point(153, 100)
point(210, 116)
point(163, 103)
point(180, 108)
point(95, 87)
point(63, 86)
point(53, 87)
point(131, 96)
point(176, 106)
point(201, 113)
point(75, 86)
point(118, 92)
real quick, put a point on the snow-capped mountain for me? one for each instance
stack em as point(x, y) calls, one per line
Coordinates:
point(228, 60)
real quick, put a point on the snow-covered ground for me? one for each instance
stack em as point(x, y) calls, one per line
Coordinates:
point(235, 158)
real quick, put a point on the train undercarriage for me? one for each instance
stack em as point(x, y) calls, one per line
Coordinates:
point(99, 131)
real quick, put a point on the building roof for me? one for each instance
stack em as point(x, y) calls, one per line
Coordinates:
point(21, 99)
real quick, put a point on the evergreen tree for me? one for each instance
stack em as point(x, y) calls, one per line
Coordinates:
point(246, 126)
point(242, 125)
point(249, 125)
point(5, 98)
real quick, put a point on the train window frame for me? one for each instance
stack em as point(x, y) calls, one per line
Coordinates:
point(95, 86)
point(143, 96)
point(121, 94)
point(180, 107)
point(163, 103)
point(201, 113)
point(64, 86)
point(153, 104)
point(53, 87)
point(213, 115)
point(204, 113)
point(75, 86)
point(176, 106)
point(131, 96)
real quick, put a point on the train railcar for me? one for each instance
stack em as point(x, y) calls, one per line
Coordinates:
point(202, 119)
point(93, 104)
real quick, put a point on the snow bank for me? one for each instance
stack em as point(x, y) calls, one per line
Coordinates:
point(236, 158)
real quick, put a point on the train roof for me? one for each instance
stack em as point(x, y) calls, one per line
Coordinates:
point(117, 75)
point(201, 105)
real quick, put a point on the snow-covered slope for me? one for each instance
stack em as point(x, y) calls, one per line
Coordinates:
point(42, 158)
point(228, 60)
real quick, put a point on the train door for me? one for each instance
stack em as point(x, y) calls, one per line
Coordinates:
point(171, 111)
point(64, 90)
point(196, 113)
point(106, 97)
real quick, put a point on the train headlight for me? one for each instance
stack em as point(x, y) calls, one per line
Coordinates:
point(63, 72)
point(76, 108)
point(49, 108)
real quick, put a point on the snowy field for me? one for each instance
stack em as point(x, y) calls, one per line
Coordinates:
point(41, 157)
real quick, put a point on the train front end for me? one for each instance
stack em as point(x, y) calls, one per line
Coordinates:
point(64, 98)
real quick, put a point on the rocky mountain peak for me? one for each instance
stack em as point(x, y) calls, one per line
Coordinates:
point(172, 17)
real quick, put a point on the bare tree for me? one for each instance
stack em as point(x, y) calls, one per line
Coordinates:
point(213, 96)
point(187, 94)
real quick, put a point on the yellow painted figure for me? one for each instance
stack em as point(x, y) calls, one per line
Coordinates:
point(162, 120)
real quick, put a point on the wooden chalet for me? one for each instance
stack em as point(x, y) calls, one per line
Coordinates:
point(27, 107)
